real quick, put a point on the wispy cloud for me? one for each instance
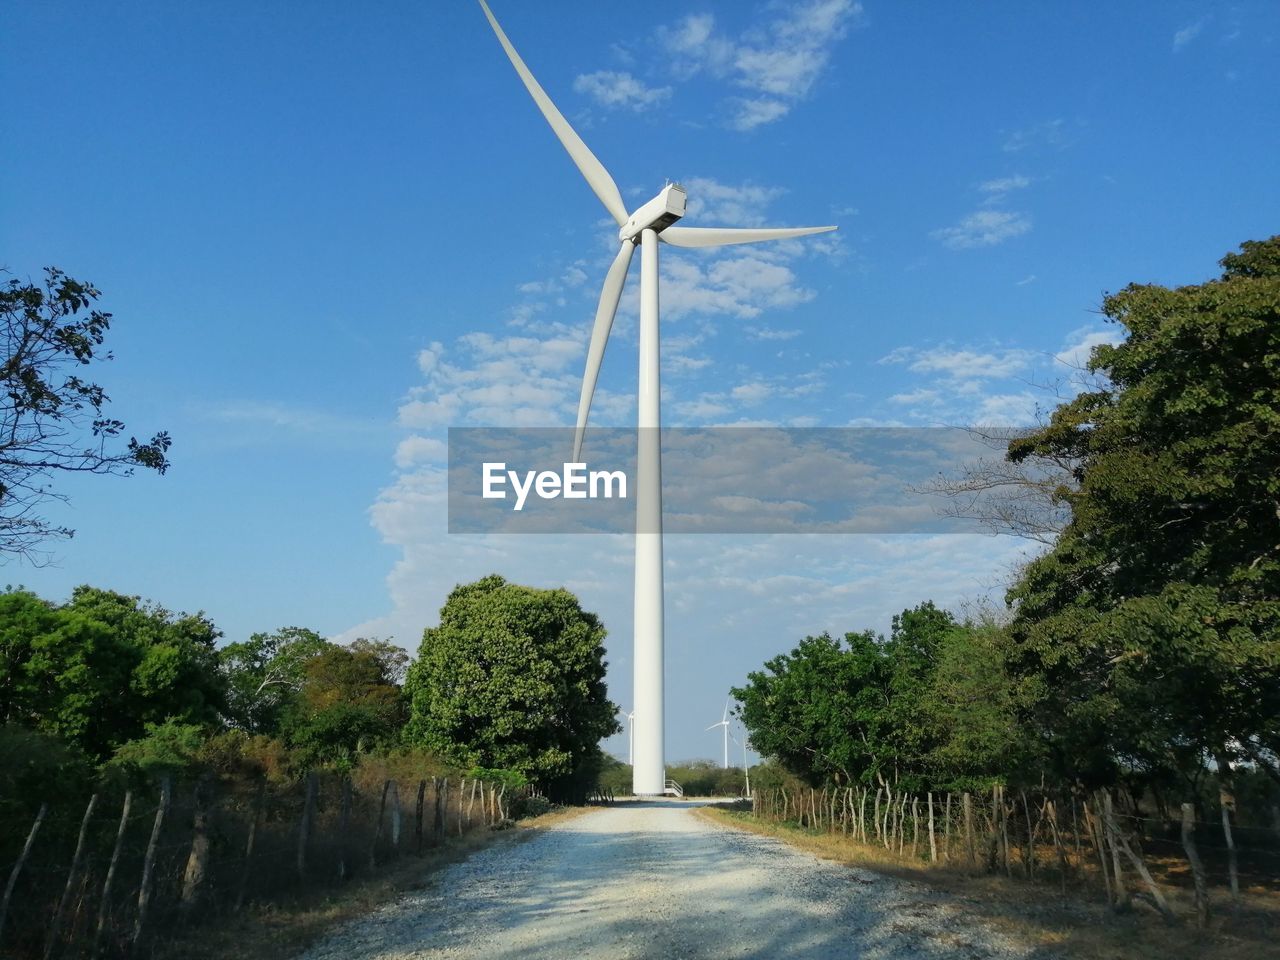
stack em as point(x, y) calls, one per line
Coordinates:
point(1001, 186)
point(619, 90)
point(983, 228)
point(965, 363)
point(771, 333)
point(1188, 33)
point(778, 65)
point(1051, 134)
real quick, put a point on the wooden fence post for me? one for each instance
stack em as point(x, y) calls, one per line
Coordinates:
point(1233, 866)
point(946, 830)
point(1122, 896)
point(967, 801)
point(1099, 844)
point(377, 827)
point(1138, 864)
point(1029, 862)
point(1052, 809)
point(344, 827)
point(259, 801)
point(395, 818)
point(149, 861)
point(933, 843)
point(104, 900)
point(441, 795)
point(306, 823)
point(22, 859)
point(462, 791)
point(417, 817)
point(1197, 866)
point(56, 925)
point(197, 868)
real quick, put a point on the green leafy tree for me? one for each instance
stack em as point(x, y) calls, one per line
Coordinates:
point(970, 707)
point(264, 675)
point(96, 670)
point(52, 420)
point(513, 678)
point(1148, 639)
point(349, 703)
point(820, 709)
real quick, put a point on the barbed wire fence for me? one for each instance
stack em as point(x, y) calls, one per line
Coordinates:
point(102, 878)
point(1072, 837)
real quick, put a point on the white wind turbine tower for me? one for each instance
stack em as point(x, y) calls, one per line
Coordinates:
point(724, 722)
point(645, 226)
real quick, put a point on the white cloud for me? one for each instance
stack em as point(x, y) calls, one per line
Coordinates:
point(752, 393)
point(752, 112)
point(963, 364)
point(1080, 343)
point(983, 228)
point(617, 90)
point(415, 449)
point(779, 64)
point(296, 421)
point(1050, 133)
point(728, 204)
point(771, 333)
point(1000, 186)
point(1188, 33)
point(1007, 409)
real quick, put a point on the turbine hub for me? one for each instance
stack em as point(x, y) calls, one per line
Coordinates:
point(658, 214)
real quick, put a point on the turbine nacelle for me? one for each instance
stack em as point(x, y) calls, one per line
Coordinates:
point(658, 214)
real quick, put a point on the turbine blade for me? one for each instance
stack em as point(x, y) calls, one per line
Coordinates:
point(593, 170)
point(679, 236)
point(610, 294)
point(712, 727)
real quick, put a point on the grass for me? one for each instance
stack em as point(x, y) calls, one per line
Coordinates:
point(1075, 923)
point(269, 932)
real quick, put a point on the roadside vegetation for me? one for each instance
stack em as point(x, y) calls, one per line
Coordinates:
point(154, 784)
point(1132, 683)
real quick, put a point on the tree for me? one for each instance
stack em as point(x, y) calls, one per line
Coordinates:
point(52, 420)
point(819, 710)
point(349, 703)
point(96, 670)
point(1148, 639)
point(264, 674)
point(514, 678)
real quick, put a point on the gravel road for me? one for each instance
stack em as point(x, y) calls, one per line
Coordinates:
point(653, 881)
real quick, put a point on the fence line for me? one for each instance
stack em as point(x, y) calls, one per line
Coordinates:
point(131, 865)
point(1077, 837)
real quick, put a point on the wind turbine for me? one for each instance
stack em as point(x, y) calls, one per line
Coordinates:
point(631, 742)
point(724, 722)
point(645, 227)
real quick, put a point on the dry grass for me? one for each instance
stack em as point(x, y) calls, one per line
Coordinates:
point(1076, 923)
point(285, 929)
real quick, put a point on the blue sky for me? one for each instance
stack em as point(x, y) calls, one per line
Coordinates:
point(330, 231)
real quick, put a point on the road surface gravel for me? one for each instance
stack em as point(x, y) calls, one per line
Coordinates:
point(653, 881)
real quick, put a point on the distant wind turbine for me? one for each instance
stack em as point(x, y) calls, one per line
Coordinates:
point(724, 722)
point(645, 226)
point(631, 743)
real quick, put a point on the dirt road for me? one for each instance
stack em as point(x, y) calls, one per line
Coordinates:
point(653, 881)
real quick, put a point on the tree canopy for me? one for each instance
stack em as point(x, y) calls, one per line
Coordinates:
point(52, 419)
point(513, 678)
point(1149, 635)
point(96, 670)
point(928, 706)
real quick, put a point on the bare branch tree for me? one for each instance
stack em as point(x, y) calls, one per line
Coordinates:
point(51, 420)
